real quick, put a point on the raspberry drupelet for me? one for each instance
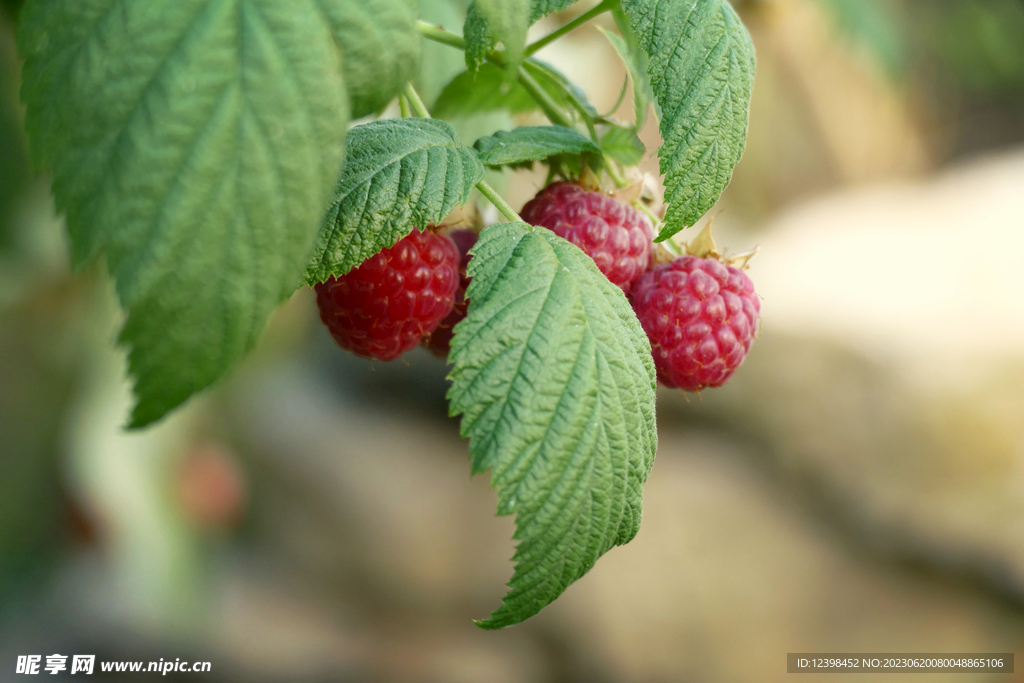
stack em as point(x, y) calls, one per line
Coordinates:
point(390, 302)
point(614, 234)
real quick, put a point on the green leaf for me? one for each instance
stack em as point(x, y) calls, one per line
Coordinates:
point(554, 379)
point(193, 143)
point(504, 20)
point(481, 39)
point(380, 46)
point(636, 64)
point(702, 71)
point(399, 173)
point(623, 145)
point(488, 89)
point(531, 143)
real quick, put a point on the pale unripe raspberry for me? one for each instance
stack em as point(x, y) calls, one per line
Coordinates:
point(615, 235)
point(700, 316)
point(395, 298)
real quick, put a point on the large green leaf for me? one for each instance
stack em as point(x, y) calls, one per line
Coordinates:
point(554, 379)
point(702, 71)
point(399, 173)
point(481, 38)
point(381, 48)
point(531, 143)
point(194, 144)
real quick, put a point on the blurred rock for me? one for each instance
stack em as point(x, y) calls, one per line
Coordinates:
point(726, 576)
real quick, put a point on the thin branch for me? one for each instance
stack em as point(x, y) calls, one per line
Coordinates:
point(567, 28)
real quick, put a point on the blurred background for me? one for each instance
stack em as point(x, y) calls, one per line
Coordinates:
point(858, 486)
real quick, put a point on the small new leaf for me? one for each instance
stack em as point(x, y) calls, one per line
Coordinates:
point(481, 38)
point(399, 173)
point(489, 89)
point(531, 143)
point(636, 63)
point(554, 379)
point(380, 46)
point(623, 145)
point(702, 71)
point(505, 21)
point(486, 90)
point(193, 144)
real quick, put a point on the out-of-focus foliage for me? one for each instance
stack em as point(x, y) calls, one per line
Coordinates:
point(974, 44)
point(14, 166)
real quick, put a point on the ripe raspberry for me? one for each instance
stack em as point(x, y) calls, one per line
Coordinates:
point(440, 341)
point(615, 235)
point(386, 305)
point(701, 316)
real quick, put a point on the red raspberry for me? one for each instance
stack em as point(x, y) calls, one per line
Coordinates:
point(701, 316)
point(440, 341)
point(386, 305)
point(615, 235)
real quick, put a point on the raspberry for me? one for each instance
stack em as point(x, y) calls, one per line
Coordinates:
point(440, 341)
point(701, 316)
point(386, 305)
point(615, 235)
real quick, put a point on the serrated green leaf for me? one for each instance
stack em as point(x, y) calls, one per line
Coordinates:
point(193, 143)
point(702, 71)
point(554, 379)
point(481, 39)
point(623, 145)
point(531, 143)
point(486, 90)
point(636, 64)
point(381, 48)
point(399, 173)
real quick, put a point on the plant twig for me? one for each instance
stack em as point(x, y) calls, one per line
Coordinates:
point(439, 35)
point(499, 203)
point(541, 96)
point(416, 102)
point(567, 28)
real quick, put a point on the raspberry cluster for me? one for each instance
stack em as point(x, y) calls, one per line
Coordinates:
point(394, 299)
point(699, 312)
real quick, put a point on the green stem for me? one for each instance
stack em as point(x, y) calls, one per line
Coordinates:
point(567, 28)
point(613, 172)
point(499, 203)
point(541, 96)
point(416, 102)
point(485, 189)
point(439, 35)
point(547, 104)
point(403, 106)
